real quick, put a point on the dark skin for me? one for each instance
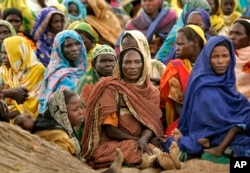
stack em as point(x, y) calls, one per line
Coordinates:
point(142, 141)
point(177, 108)
point(41, 3)
point(4, 112)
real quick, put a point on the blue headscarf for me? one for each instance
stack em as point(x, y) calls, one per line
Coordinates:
point(59, 73)
point(212, 104)
point(81, 9)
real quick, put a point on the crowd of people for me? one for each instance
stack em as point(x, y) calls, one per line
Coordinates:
point(141, 83)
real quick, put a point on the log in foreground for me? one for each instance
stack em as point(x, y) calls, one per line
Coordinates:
point(21, 151)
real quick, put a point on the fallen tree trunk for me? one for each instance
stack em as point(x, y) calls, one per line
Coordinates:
point(21, 151)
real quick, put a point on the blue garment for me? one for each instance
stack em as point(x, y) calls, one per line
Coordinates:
point(212, 105)
point(82, 12)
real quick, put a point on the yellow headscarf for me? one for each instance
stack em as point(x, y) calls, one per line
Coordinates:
point(25, 71)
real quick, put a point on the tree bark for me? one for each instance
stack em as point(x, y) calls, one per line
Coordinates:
point(21, 151)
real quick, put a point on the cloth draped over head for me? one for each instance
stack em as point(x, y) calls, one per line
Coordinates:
point(200, 117)
point(161, 25)
point(59, 73)
point(40, 31)
point(56, 117)
point(27, 15)
point(147, 111)
point(9, 26)
point(82, 13)
point(104, 21)
point(25, 71)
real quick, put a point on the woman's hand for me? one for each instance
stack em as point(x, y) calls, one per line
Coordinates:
point(20, 94)
point(142, 142)
point(158, 140)
point(4, 112)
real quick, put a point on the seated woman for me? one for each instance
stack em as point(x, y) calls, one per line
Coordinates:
point(216, 19)
point(22, 69)
point(90, 39)
point(190, 41)
point(49, 22)
point(153, 20)
point(240, 37)
point(76, 11)
point(123, 112)
point(212, 104)
point(68, 63)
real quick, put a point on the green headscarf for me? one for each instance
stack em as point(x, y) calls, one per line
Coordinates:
point(103, 49)
point(83, 26)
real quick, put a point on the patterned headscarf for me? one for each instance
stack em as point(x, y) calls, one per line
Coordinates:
point(59, 73)
point(82, 13)
point(25, 71)
point(103, 50)
point(40, 31)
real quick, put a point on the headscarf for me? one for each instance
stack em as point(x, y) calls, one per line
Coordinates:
point(204, 14)
point(40, 33)
point(167, 47)
point(216, 19)
point(25, 71)
point(161, 25)
point(92, 35)
point(103, 50)
point(27, 15)
point(211, 104)
point(81, 10)
point(9, 26)
point(104, 21)
point(56, 117)
point(147, 111)
point(59, 73)
point(198, 31)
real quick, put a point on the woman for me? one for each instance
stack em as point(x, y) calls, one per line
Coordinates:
point(49, 22)
point(212, 104)
point(168, 44)
point(240, 36)
point(90, 39)
point(135, 38)
point(216, 19)
point(21, 68)
point(115, 118)
point(68, 63)
point(14, 16)
point(190, 41)
point(229, 15)
point(6, 30)
point(75, 9)
point(153, 20)
point(103, 20)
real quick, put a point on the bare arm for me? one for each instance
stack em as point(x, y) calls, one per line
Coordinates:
point(41, 3)
point(177, 107)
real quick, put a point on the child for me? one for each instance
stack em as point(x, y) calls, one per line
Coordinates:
point(25, 121)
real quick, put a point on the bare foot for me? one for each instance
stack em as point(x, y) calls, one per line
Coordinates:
point(174, 151)
point(176, 134)
point(216, 151)
point(204, 142)
point(165, 161)
point(115, 167)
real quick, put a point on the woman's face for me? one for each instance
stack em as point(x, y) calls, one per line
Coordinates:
point(86, 40)
point(212, 6)
point(184, 47)
point(128, 41)
point(73, 9)
point(220, 60)
point(132, 66)
point(75, 111)
point(104, 64)
point(239, 36)
point(4, 33)
point(71, 49)
point(56, 23)
point(196, 19)
point(227, 6)
point(150, 7)
point(15, 21)
point(4, 57)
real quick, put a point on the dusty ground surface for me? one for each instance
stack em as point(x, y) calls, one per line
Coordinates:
point(23, 152)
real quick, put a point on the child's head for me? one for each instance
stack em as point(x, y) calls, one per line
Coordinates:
point(74, 107)
point(227, 6)
point(26, 122)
